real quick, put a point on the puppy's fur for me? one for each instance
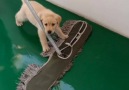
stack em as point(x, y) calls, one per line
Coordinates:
point(50, 20)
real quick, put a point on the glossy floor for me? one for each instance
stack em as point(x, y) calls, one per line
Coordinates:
point(102, 65)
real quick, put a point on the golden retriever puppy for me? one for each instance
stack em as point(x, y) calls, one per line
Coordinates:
point(50, 20)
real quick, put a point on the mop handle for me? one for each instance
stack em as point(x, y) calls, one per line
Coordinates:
point(42, 27)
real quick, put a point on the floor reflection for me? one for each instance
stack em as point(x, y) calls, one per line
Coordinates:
point(23, 57)
point(6, 73)
point(63, 86)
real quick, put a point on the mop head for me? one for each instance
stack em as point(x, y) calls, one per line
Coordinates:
point(48, 75)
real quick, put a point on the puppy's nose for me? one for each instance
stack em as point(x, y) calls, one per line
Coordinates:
point(49, 32)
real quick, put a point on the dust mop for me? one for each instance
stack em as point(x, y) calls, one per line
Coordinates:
point(60, 57)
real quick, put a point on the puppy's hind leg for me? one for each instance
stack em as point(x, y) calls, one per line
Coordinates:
point(20, 18)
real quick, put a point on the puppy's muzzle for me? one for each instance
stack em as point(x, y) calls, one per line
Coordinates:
point(49, 32)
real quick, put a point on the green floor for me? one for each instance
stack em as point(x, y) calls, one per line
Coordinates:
point(102, 65)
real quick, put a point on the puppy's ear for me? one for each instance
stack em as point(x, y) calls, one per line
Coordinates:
point(40, 16)
point(58, 18)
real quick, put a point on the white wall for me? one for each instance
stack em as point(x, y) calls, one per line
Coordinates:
point(112, 14)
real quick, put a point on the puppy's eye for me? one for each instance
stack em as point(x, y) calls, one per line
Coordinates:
point(53, 24)
point(45, 24)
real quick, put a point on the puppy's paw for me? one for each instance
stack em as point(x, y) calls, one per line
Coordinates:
point(19, 23)
point(64, 37)
point(46, 48)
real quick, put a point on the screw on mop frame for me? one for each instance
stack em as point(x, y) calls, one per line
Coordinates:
point(42, 27)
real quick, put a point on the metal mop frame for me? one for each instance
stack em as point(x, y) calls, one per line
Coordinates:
point(42, 27)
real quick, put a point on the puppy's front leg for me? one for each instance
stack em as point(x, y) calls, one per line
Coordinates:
point(43, 40)
point(60, 33)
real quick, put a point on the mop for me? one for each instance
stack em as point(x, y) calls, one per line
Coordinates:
point(60, 56)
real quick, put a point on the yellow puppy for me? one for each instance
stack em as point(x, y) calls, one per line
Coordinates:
point(50, 20)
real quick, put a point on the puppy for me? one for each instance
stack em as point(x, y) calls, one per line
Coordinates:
point(50, 20)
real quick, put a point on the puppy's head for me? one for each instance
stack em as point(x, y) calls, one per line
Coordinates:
point(51, 23)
